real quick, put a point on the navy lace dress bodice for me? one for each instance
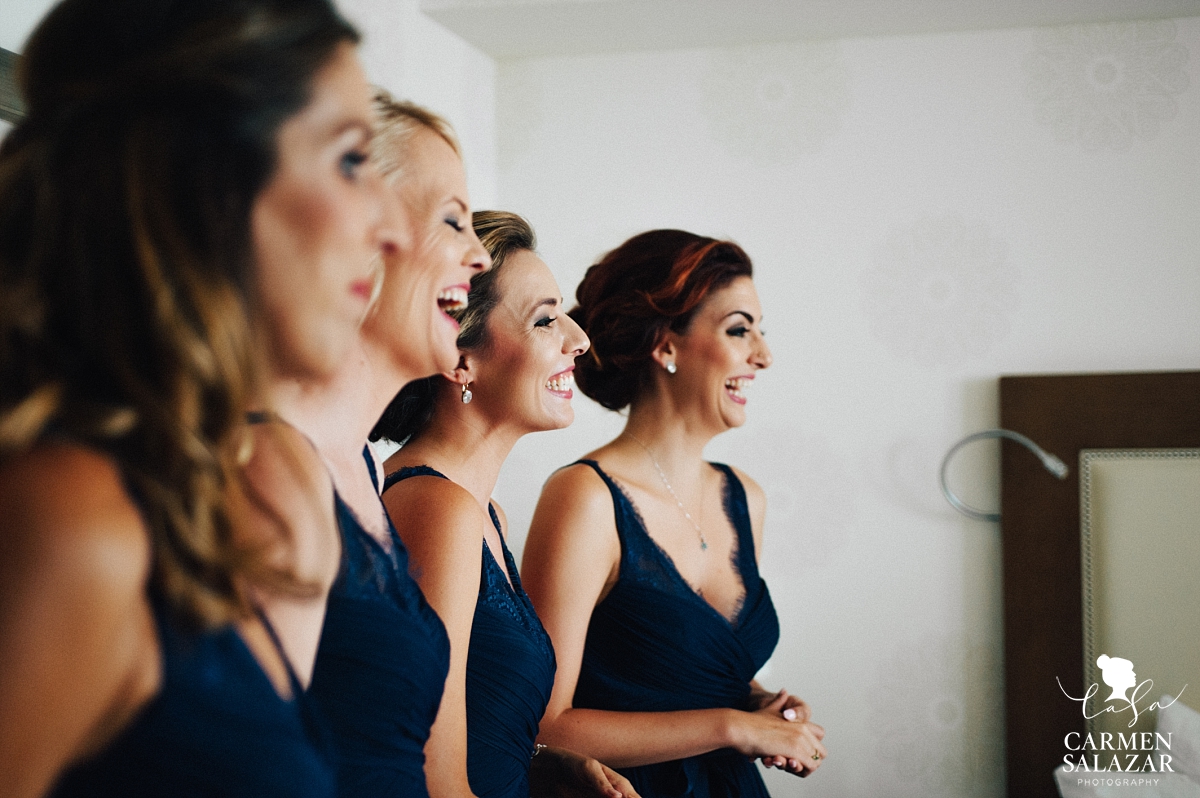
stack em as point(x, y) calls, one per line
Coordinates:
point(381, 665)
point(655, 645)
point(510, 673)
point(215, 727)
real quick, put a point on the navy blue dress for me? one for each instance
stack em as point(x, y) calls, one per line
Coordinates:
point(510, 673)
point(655, 645)
point(381, 665)
point(216, 727)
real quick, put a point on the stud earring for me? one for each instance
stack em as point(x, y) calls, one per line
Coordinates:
point(670, 367)
point(467, 396)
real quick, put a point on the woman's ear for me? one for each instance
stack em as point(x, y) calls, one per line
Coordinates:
point(463, 373)
point(664, 353)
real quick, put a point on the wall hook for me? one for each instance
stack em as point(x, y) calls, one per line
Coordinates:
point(1052, 464)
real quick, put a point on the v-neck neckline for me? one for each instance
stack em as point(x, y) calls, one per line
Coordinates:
point(669, 562)
point(511, 580)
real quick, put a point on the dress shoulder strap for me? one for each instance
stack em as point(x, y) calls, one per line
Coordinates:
point(293, 680)
point(624, 513)
point(496, 521)
point(411, 471)
point(366, 453)
point(737, 509)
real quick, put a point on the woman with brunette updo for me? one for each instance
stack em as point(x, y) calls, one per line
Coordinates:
point(642, 558)
point(187, 223)
point(516, 351)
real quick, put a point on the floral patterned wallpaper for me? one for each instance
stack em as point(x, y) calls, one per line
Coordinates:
point(1105, 85)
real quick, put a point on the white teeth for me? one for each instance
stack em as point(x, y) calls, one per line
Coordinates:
point(736, 385)
point(561, 383)
point(454, 298)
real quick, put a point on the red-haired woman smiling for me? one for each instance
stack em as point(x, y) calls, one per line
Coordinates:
point(642, 557)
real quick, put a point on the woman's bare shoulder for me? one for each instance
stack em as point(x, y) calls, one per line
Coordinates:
point(65, 511)
point(574, 510)
point(435, 503)
point(285, 465)
point(754, 491)
point(577, 482)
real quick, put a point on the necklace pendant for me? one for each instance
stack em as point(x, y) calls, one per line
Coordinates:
point(704, 545)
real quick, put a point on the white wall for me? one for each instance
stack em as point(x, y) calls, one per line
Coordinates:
point(925, 213)
point(417, 59)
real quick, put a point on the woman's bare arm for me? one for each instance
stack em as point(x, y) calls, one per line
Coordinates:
point(287, 510)
point(570, 561)
point(78, 649)
point(441, 525)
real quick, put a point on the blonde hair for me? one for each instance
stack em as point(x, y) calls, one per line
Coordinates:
point(397, 122)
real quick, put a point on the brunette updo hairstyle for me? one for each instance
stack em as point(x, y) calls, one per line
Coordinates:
point(652, 283)
point(501, 233)
point(126, 262)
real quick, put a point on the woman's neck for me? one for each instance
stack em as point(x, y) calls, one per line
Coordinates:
point(338, 413)
point(676, 445)
point(461, 443)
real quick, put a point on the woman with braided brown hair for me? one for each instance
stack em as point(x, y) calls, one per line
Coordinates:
point(186, 228)
point(642, 558)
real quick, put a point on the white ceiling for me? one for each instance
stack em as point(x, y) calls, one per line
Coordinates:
point(520, 28)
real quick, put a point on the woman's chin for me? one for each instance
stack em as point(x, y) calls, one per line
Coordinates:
point(559, 418)
point(733, 419)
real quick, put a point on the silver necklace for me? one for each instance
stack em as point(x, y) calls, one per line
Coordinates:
point(666, 482)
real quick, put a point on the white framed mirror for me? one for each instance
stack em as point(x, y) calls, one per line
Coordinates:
point(1140, 551)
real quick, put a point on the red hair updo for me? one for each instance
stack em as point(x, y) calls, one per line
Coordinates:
point(652, 283)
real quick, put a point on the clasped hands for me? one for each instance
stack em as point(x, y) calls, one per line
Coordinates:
point(797, 739)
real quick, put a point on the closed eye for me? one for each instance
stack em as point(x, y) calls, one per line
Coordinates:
point(738, 332)
point(455, 223)
point(350, 163)
point(545, 321)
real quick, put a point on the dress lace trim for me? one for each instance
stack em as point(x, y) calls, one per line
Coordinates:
point(646, 562)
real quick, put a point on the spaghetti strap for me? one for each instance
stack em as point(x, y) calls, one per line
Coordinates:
point(297, 688)
point(366, 453)
point(621, 509)
point(411, 471)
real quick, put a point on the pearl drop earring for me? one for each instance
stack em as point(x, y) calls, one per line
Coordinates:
point(670, 367)
point(467, 396)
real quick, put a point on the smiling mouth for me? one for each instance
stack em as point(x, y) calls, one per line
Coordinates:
point(452, 299)
point(736, 386)
point(561, 384)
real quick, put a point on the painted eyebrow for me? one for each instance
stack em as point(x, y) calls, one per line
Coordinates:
point(551, 301)
point(356, 126)
point(749, 318)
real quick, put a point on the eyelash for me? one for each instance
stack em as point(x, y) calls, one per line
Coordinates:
point(737, 332)
point(546, 321)
point(350, 163)
point(455, 223)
